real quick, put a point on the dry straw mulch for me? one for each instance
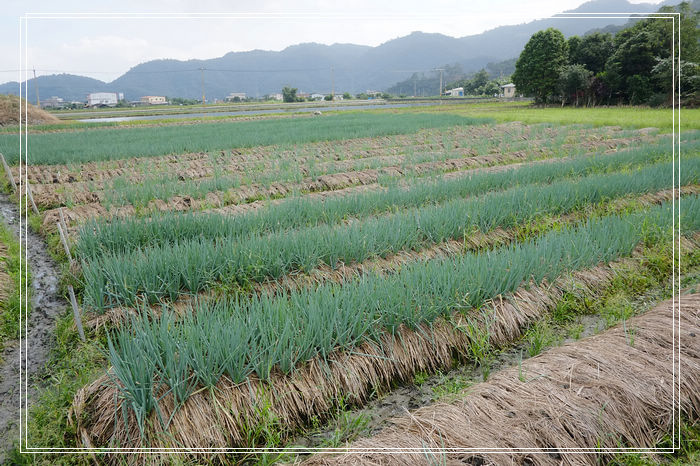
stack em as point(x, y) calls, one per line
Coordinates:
point(10, 112)
point(611, 390)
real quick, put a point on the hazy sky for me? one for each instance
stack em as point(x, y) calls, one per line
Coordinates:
point(106, 48)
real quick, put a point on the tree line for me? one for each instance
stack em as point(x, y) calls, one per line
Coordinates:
point(634, 66)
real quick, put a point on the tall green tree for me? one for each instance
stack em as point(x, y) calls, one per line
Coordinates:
point(688, 85)
point(574, 83)
point(629, 68)
point(591, 51)
point(538, 67)
point(639, 49)
point(573, 43)
point(289, 94)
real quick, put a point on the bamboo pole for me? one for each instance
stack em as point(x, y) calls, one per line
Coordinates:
point(65, 243)
point(63, 220)
point(76, 313)
point(31, 198)
point(9, 173)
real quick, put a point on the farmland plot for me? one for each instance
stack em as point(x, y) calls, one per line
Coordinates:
point(273, 281)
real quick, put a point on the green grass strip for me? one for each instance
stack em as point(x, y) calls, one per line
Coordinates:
point(121, 235)
point(194, 265)
point(252, 335)
point(10, 307)
point(110, 144)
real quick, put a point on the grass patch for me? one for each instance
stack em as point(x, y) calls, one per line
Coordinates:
point(10, 306)
point(687, 454)
point(624, 116)
point(73, 365)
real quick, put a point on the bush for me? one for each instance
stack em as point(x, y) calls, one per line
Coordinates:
point(657, 100)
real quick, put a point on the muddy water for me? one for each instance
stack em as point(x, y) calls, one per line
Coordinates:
point(46, 306)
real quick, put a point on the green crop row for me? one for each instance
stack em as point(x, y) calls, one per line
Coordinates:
point(168, 185)
point(252, 335)
point(121, 235)
point(193, 265)
point(111, 144)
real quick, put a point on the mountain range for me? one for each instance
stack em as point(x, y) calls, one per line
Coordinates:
point(313, 67)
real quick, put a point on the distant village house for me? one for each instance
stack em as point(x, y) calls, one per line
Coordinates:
point(508, 90)
point(53, 102)
point(153, 100)
point(235, 96)
point(456, 92)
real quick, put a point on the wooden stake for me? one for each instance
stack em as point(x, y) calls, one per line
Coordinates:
point(31, 198)
point(63, 220)
point(65, 243)
point(9, 173)
point(76, 313)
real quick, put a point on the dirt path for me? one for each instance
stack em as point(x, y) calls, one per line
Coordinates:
point(46, 306)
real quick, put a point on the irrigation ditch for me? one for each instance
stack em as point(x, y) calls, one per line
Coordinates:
point(46, 306)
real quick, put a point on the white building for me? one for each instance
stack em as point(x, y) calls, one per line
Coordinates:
point(109, 99)
point(456, 92)
point(232, 96)
point(508, 91)
point(153, 100)
point(53, 102)
point(318, 96)
point(276, 96)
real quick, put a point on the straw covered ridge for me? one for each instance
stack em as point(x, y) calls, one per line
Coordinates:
point(218, 418)
point(611, 390)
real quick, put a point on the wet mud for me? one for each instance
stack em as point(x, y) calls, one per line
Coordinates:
point(46, 305)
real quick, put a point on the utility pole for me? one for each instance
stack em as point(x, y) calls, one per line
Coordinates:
point(204, 100)
point(414, 85)
point(332, 84)
point(36, 86)
point(440, 70)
